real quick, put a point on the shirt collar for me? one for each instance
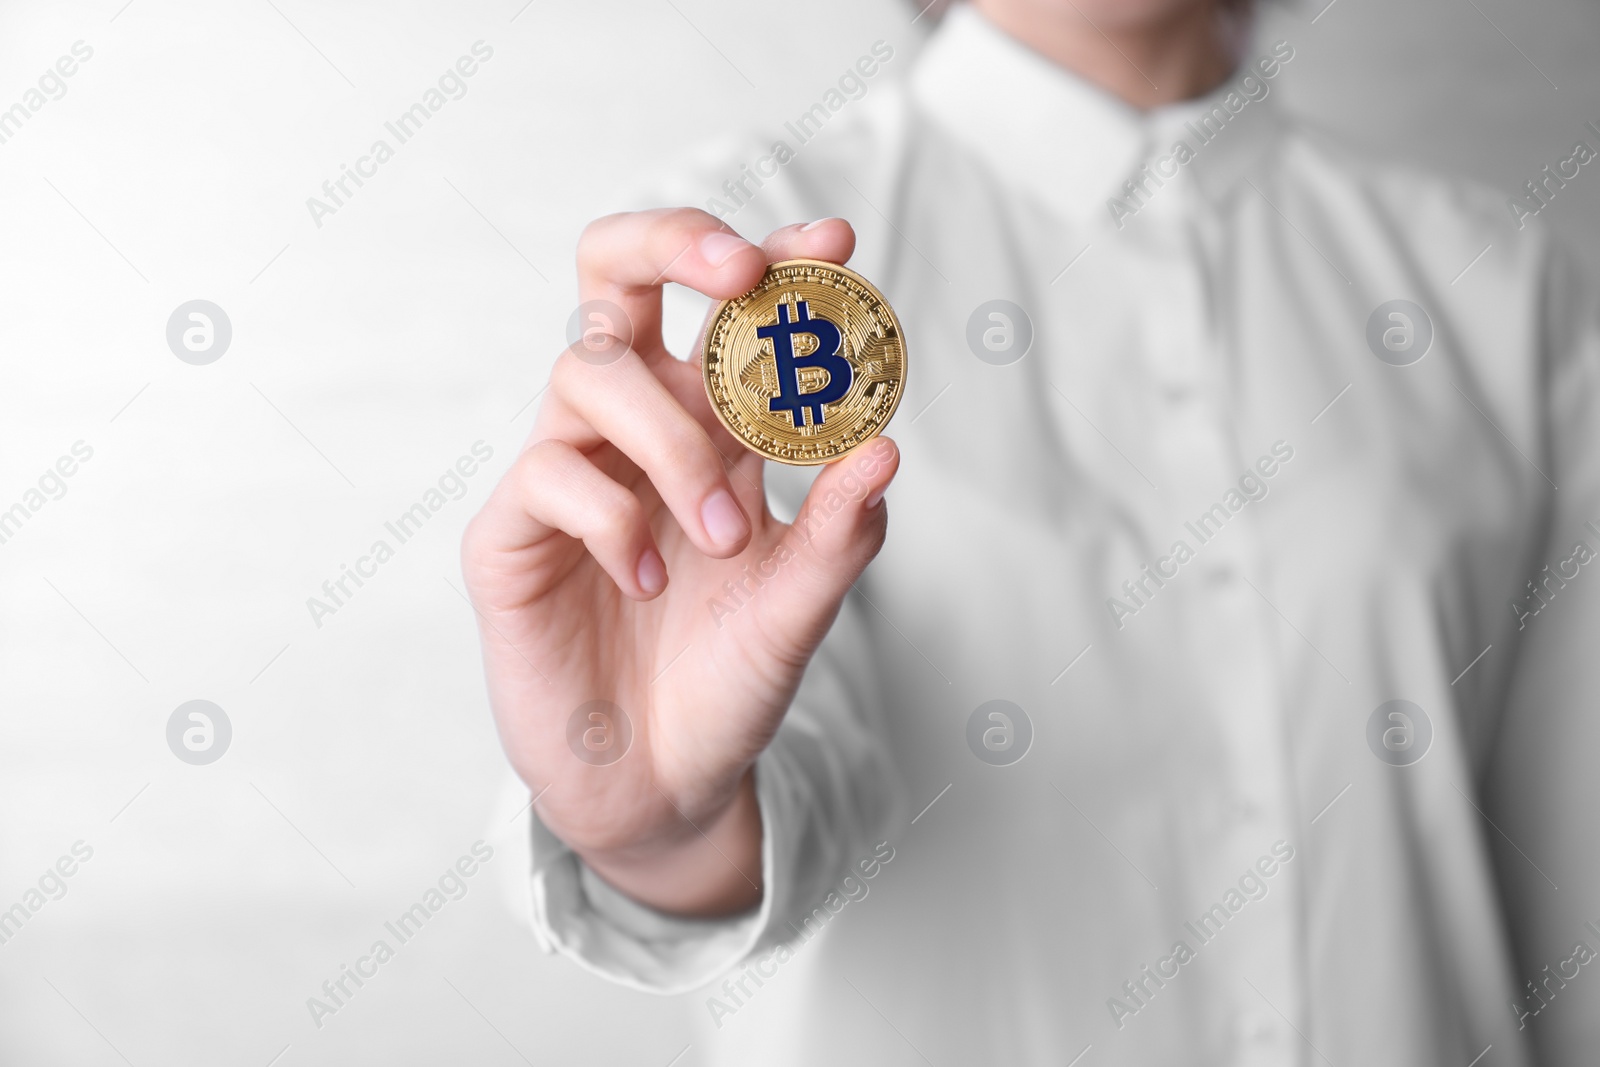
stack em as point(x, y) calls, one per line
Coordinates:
point(1073, 145)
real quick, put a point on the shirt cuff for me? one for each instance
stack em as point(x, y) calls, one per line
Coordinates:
point(612, 935)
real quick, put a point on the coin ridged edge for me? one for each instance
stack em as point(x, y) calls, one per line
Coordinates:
point(705, 363)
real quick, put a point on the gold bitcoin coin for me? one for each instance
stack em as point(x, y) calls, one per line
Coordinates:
point(807, 365)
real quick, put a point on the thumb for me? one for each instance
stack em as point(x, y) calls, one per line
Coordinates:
point(838, 531)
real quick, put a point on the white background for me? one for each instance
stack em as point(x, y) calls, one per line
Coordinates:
point(366, 358)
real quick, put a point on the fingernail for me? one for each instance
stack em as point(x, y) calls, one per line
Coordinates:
point(875, 497)
point(813, 225)
point(718, 248)
point(652, 572)
point(724, 522)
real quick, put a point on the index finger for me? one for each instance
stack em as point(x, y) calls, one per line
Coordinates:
point(625, 259)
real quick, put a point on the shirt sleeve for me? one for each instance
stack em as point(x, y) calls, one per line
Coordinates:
point(827, 791)
point(1542, 790)
point(826, 784)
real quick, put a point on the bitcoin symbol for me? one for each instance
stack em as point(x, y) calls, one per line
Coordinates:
point(826, 357)
point(810, 339)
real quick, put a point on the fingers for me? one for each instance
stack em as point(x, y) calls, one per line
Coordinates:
point(626, 405)
point(839, 529)
point(555, 488)
point(832, 240)
point(626, 258)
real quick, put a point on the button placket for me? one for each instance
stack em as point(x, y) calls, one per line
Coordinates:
point(1199, 461)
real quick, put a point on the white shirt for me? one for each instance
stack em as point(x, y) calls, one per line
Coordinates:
point(1204, 768)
